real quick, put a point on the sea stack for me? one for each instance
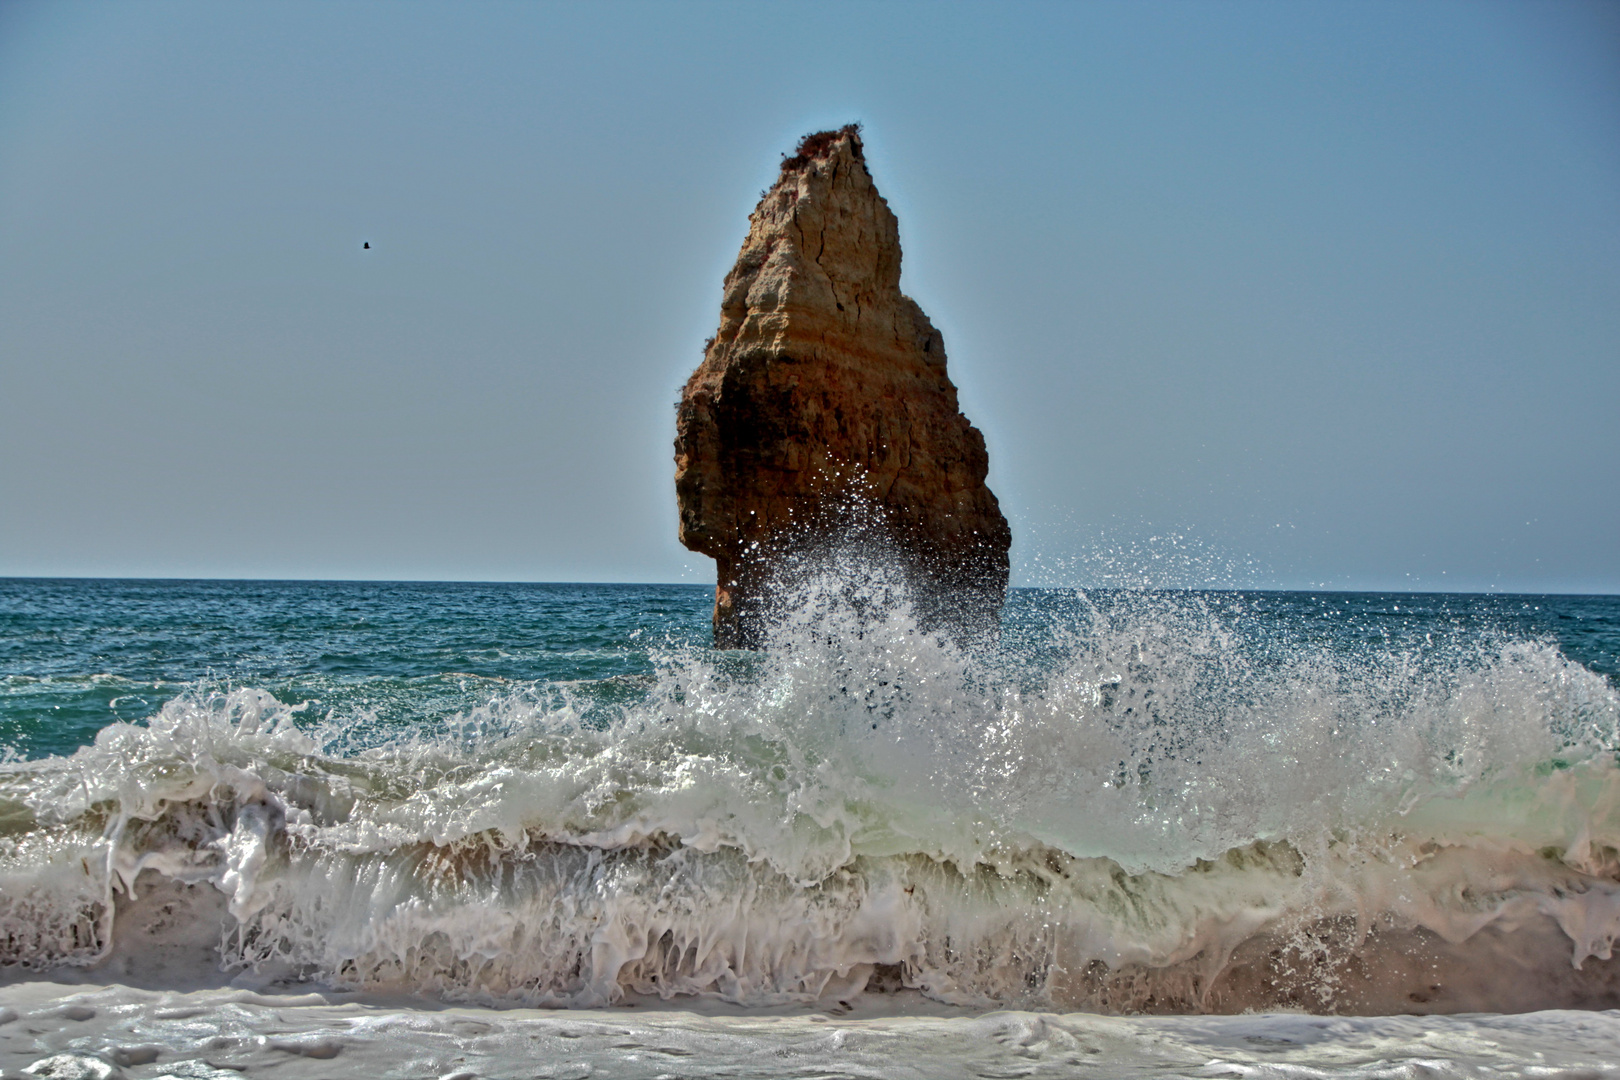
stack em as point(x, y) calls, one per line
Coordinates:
point(822, 411)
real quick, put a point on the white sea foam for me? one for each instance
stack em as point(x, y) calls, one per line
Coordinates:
point(117, 1031)
point(1154, 811)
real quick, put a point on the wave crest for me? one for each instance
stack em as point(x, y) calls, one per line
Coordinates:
point(1138, 801)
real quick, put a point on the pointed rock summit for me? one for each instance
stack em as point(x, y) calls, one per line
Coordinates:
point(823, 400)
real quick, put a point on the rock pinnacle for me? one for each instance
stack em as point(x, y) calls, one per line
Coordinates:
point(823, 397)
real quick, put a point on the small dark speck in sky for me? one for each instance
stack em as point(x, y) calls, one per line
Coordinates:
point(366, 245)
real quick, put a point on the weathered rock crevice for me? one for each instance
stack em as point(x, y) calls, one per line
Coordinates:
point(824, 397)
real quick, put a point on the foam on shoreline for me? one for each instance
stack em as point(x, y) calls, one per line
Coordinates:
point(111, 1030)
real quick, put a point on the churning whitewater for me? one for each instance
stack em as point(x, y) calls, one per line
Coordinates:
point(1137, 802)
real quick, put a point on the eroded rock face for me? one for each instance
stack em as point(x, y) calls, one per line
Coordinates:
point(823, 393)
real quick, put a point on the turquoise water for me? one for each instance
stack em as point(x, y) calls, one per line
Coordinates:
point(78, 654)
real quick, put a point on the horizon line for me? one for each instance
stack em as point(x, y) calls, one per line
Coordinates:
point(1408, 591)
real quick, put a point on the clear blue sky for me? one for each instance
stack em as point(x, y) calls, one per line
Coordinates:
point(1329, 291)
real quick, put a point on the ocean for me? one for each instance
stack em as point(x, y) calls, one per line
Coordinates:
point(329, 829)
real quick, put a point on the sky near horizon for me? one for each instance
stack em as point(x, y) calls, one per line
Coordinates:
point(1263, 294)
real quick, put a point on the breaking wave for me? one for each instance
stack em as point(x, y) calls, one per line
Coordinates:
point(1137, 802)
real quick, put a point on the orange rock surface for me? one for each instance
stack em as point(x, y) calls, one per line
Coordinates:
point(824, 396)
